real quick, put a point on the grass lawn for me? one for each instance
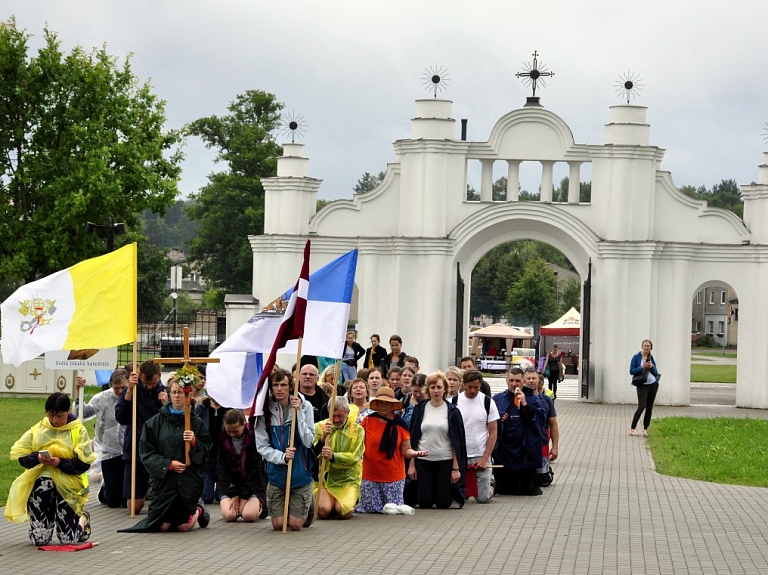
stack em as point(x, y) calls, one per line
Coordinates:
point(713, 352)
point(713, 373)
point(18, 416)
point(720, 450)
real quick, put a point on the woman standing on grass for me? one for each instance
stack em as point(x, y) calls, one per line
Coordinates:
point(645, 377)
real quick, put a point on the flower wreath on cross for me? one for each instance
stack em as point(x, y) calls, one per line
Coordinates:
point(188, 376)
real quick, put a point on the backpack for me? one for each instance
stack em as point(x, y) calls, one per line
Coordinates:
point(487, 404)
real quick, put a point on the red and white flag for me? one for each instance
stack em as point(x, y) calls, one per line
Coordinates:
point(292, 327)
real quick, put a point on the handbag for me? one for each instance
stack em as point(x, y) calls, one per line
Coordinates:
point(639, 378)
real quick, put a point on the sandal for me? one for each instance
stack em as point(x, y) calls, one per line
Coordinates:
point(645, 433)
point(633, 433)
point(86, 535)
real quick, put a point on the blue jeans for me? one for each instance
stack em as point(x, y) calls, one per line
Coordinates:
point(348, 372)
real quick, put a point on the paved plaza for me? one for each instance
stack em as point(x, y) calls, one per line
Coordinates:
point(607, 512)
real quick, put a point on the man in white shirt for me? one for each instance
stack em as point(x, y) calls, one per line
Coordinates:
point(480, 416)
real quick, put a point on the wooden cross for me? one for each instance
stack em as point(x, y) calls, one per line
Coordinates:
point(186, 360)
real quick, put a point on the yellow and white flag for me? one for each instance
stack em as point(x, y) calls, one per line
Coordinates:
point(90, 305)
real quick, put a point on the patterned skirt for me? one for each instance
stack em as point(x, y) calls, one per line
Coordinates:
point(374, 495)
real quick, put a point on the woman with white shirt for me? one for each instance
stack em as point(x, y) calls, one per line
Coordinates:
point(438, 428)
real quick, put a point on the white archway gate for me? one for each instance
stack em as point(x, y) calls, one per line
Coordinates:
point(649, 245)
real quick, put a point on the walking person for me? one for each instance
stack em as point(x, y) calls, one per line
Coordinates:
point(554, 370)
point(353, 351)
point(645, 377)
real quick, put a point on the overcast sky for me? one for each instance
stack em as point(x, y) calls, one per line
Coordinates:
point(353, 69)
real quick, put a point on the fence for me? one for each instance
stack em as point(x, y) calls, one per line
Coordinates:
point(163, 337)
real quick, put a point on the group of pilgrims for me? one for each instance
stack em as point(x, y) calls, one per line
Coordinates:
point(382, 439)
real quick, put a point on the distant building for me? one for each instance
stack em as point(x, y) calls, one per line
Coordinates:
point(715, 312)
point(192, 284)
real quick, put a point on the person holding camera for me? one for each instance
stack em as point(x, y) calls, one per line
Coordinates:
point(645, 378)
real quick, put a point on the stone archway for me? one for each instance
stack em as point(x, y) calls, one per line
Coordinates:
point(649, 245)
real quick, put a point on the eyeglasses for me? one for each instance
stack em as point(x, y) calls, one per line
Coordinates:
point(177, 393)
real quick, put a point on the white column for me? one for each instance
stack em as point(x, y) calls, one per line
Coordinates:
point(574, 182)
point(513, 180)
point(546, 181)
point(486, 181)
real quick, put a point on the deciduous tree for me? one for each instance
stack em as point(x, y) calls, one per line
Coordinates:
point(231, 206)
point(81, 139)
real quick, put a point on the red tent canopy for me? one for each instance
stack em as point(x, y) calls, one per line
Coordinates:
point(569, 324)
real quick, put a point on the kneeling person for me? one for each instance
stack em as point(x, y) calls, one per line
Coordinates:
point(344, 454)
point(273, 432)
point(240, 470)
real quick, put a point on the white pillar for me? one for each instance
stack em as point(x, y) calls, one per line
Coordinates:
point(546, 181)
point(513, 180)
point(486, 181)
point(574, 182)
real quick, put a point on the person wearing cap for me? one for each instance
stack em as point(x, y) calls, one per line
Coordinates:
point(340, 440)
point(387, 444)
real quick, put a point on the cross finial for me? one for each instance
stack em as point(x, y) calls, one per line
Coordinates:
point(534, 74)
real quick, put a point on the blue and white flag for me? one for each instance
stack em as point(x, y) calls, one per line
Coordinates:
point(232, 382)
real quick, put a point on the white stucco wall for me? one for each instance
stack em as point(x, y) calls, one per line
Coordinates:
point(649, 245)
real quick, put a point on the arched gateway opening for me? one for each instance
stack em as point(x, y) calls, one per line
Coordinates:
point(640, 246)
point(502, 223)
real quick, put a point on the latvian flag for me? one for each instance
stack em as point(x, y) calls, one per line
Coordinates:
point(292, 327)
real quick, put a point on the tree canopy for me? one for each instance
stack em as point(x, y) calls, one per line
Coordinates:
point(231, 206)
point(726, 195)
point(81, 139)
point(532, 299)
point(367, 182)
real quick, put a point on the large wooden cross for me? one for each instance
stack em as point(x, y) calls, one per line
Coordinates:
point(186, 360)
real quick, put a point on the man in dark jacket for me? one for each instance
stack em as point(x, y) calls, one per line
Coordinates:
point(151, 395)
point(519, 449)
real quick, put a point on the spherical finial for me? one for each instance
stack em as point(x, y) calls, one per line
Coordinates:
point(292, 125)
point(435, 79)
point(629, 85)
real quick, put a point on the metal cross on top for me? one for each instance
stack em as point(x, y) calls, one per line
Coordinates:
point(186, 360)
point(533, 74)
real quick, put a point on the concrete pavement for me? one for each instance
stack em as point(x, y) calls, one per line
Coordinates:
point(607, 512)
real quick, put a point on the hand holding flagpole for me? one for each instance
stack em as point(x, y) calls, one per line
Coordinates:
point(324, 461)
point(294, 417)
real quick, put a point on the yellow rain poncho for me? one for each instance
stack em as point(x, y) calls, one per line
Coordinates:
point(67, 442)
point(344, 474)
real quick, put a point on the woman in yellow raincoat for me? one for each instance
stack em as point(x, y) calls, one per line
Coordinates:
point(53, 490)
point(344, 453)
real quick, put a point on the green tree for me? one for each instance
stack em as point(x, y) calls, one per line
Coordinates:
point(725, 195)
point(231, 206)
point(561, 193)
point(368, 182)
point(81, 139)
point(570, 295)
point(154, 270)
point(499, 190)
point(533, 298)
point(472, 194)
point(172, 230)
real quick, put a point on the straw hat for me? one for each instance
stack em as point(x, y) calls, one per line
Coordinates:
point(386, 395)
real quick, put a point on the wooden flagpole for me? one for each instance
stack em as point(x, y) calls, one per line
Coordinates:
point(324, 461)
point(294, 416)
point(134, 401)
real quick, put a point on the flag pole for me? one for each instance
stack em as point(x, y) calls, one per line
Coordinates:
point(294, 416)
point(134, 401)
point(80, 398)
point(324, 461)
